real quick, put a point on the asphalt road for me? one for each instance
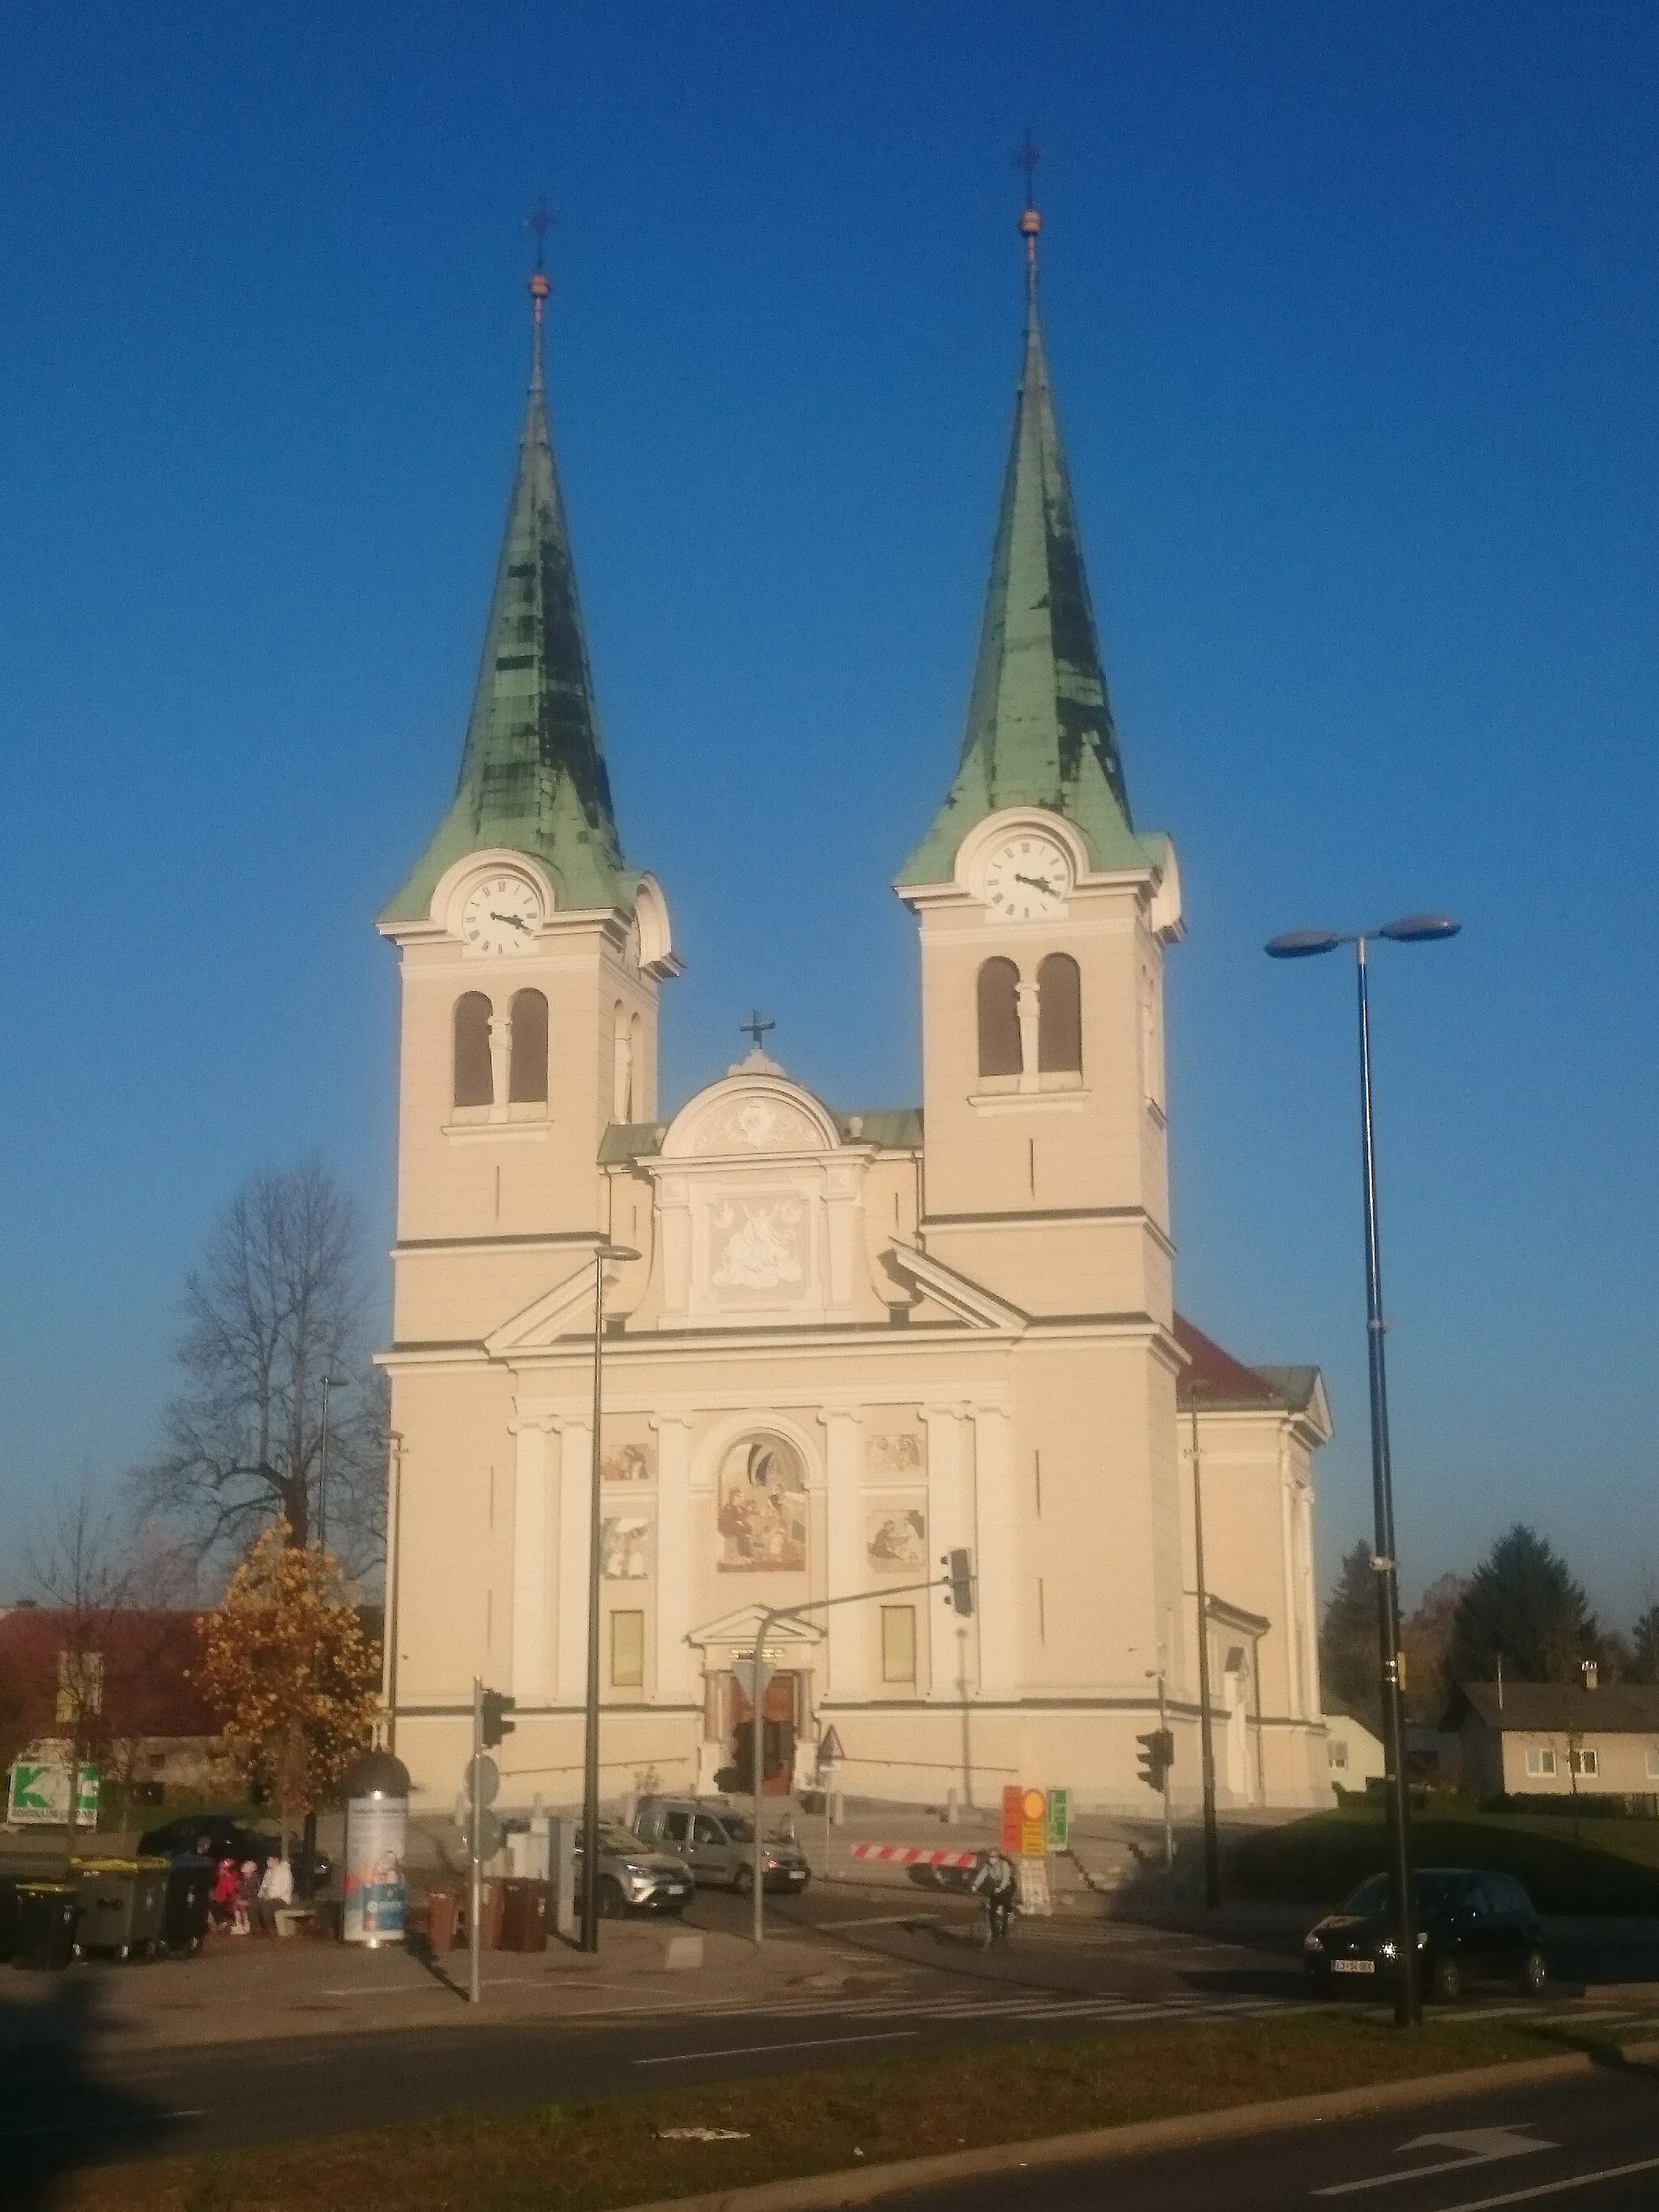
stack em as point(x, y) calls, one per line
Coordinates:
point(1590, 2143)
point(926, 1988)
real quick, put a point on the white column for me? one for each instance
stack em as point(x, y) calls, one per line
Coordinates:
point(532, 1645)
point(1311, 1687)
point(997, 1560)
point(575, 1520)
point(845, 1568)
point(501, 1063)
point(1293, 1670)
point(843, 1191)
point(953, 1648)
point(674, 1564)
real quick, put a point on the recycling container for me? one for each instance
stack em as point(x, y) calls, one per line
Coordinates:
point(185, 1915)
point(46, 1925)
point(491, 1899)
point(123, 1905)
point(7, 1915)
point(524, 1915)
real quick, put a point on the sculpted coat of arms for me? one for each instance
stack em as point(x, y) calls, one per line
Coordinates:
point(759, 1245)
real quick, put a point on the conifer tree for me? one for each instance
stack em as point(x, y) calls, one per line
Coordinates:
point(1522, 1606)
point(1348, 1648)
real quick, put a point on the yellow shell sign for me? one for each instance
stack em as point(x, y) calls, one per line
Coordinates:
point(1033, 1824)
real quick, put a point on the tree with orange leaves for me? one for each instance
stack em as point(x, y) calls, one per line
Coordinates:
point(287, 1666)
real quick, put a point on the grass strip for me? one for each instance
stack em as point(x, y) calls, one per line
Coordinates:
point(608, 2152)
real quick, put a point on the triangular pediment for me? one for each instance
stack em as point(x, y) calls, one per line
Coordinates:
point(740, 1628)
point(957, 1293)
point(564, 1311)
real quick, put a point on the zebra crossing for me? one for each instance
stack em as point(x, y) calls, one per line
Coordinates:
point(1026, 2006)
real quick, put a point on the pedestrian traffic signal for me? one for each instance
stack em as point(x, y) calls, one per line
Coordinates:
point(959, 1579)
point(496, 1706)
point(1157, 1756)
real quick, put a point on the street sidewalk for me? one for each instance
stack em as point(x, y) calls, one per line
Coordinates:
point(250, 1989)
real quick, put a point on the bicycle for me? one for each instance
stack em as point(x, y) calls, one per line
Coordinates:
point(996, 1924)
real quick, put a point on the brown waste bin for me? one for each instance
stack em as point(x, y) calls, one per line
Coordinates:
point(492, 1901)
point(443, 1922)
point(524, 1915)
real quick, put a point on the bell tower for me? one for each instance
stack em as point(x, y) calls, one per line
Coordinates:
point(530, 954)
point(1044, 916)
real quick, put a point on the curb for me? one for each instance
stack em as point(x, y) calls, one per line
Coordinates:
point(860, 2184)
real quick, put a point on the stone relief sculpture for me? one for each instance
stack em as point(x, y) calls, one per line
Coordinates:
point(763, 1251)
point(761, 1508)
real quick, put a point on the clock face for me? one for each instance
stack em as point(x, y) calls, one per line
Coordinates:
point(501, 914)
point(1027, 877)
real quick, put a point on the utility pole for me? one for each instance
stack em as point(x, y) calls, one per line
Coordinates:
point(1169, 1823)
point(475, 1908)
point(1205, 1730)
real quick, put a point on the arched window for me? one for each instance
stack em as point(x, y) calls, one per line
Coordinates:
point(1059, 1017)
point(527, 1082)
point(474, 1082)
point(622, 1065)
point(999, 1019)
point(638, 1102)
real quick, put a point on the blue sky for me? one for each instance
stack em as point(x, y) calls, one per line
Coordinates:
point(1352, 315)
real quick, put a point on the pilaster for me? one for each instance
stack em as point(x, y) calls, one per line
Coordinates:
point(953, 1647)
point(672, 1564)
point(997, 1558)
point(532, 1650)
point(847, 1630)
point(576, 1524)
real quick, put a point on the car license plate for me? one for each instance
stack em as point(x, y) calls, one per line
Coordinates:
point(1353, 1965)
point(675, 1888)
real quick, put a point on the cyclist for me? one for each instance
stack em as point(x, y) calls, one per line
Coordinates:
point(995, 1879)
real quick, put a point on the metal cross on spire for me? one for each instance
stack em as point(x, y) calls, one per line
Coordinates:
point(540, 220)
point(756, 1027)
point(1027, 158)
point(1031, 223)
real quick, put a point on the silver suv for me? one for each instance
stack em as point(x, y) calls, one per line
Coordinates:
point(718, 1844)
point(633, 1877)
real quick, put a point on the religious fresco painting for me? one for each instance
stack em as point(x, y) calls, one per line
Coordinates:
point(625, 1547)
point(762, 1508)
point(894, 1457)
point(631, 1462)
point(896, 1540)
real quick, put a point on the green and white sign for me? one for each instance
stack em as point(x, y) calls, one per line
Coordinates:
point(1060, 1820)
point(39, 1793)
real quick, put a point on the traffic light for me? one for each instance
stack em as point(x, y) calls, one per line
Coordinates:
point(1157, 1756)
point(958, 1567)
point(496, 1706)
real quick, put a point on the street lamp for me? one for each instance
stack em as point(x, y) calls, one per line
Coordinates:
point(330, 1382)
point(1301, 945)
point(1206, 1724)
point(604, 1256)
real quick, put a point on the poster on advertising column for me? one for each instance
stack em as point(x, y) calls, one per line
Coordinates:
point(1012, 1799)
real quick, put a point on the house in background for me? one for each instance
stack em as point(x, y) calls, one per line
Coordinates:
point(124, 1682)
point(1554, 1739)
point(1355, 1754)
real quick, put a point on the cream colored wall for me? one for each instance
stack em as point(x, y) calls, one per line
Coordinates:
point(1623, 1761)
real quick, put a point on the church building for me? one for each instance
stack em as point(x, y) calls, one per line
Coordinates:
point(848, 1341)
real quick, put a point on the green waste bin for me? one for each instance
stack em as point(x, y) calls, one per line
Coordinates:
point(46, 1925)
point(123, 1904)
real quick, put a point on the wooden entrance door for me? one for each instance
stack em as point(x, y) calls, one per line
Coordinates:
point(778, 1726)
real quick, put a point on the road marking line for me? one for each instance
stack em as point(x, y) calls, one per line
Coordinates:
point(1554, 2188)
point(749, 2050)
point(1478, 2146)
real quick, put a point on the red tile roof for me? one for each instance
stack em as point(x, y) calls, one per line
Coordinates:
point(1215, 1377)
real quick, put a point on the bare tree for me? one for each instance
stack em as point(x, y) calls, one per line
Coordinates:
point(81, 1567)
point(281, 1415)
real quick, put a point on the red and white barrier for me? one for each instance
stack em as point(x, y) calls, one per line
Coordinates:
point(904, 1855)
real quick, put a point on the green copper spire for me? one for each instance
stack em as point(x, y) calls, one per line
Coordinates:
point(1039, 721)
point(533, 774)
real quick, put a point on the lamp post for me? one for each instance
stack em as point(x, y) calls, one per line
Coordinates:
point(1205, 1725)
point(330, 1382)
point(1301, 945)
point(603, 1255)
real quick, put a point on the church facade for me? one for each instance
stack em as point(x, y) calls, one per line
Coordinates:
point(849, 1342)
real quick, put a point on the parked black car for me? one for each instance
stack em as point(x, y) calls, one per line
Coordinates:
point(229, 1837)
point(1471, 1927)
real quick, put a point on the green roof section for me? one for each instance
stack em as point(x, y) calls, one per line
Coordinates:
point(1040, 731)
point(888, 1128)
point(532, 776)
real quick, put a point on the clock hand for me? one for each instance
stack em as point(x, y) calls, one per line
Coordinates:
point(516, 922)
point(1037, 884)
